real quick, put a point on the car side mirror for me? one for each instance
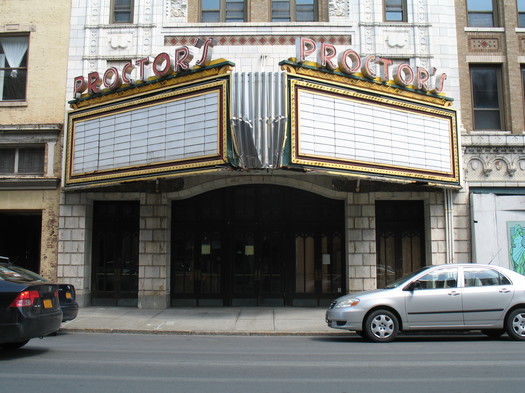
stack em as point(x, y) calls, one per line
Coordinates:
point(413, 286)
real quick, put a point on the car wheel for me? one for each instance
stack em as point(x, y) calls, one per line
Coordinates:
point(381, 326)
point(516, 324)
point(9, 346)
point(494, 333)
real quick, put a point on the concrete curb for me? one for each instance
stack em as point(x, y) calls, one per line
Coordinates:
point(198, 332)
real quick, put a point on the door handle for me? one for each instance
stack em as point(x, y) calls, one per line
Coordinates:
point(504, 290)
point(453, 293)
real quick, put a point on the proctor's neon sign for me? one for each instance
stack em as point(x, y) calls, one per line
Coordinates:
point(161, 66)
point(351, 63)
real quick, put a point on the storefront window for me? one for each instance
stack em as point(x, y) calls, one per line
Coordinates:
point(486, 96)
point(13, 67)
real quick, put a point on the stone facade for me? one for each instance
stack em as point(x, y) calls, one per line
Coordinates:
point(425, 40)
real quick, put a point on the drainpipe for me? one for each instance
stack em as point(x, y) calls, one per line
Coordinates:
point(449, 225)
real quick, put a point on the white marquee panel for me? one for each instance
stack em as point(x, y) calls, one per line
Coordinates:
point(181, 129)
point(346, 129)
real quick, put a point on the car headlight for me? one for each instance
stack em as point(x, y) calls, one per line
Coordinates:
point(347, 303)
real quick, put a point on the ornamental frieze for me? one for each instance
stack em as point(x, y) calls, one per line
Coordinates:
point(494, 158)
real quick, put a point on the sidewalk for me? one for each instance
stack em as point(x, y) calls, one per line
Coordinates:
point(216, 321)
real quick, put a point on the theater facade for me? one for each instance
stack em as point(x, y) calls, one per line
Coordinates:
point(195, 177)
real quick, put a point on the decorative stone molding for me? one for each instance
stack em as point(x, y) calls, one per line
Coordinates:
point(176, 11)
point(484, 45)
point(242, 40)
point(368, 10)
point(16, 28)
point(397, 39)
point(421, 11)
point(494, 158)
point(338, 8)
point(120, 41)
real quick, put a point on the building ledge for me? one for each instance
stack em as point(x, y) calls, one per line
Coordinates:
point(29, 183)
point(56, 127)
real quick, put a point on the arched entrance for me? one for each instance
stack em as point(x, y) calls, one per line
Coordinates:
point(257, 245)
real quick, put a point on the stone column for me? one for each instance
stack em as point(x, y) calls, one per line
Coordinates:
point(154, 259)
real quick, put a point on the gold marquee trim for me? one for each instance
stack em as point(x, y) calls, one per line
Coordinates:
point(157, 169)
point(416, 174)
point(216, 68)
point(361, 83)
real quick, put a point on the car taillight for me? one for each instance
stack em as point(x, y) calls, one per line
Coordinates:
point(25, 299)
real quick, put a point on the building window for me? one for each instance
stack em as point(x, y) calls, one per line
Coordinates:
point(222, 10)
point(22, 160)
point(481, 13)
point(13, 67)
point(122, 11)
point(486, 96)
point(523, 80)
point(521, 13)
point(395, 11)
point(294, 10)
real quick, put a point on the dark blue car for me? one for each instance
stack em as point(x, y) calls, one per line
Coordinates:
point(66, 292)
point(29, 308)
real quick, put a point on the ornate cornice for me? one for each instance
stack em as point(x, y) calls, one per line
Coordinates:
point(494, 158)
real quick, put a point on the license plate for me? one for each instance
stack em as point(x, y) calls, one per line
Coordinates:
point(48, 303)
point(68, 295)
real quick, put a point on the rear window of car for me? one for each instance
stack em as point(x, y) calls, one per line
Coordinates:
point(16, 273)
point(482, 277)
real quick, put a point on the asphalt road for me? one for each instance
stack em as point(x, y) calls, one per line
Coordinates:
point(112, 363)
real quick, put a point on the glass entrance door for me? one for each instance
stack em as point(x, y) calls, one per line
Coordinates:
point(257, 245)
point(115, 253)
point(260, 262)
point(318, 267)
point(197, 273)
point(400, 239)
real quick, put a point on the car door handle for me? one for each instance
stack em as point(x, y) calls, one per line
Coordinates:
point(453, 293)
point(504, 290)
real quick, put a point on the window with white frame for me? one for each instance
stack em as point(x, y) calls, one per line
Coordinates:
point(13, 67)
point(481, 13)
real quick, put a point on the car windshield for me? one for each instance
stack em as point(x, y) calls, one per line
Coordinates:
point(402, 280)
point(16, 273)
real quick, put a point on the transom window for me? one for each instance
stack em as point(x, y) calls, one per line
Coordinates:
point(486, 96)
point(222, 11)
point(122, 11)
point(22, 160)
point(294, 10)
point(481, 13)
point(395, 11)
point(13, 67)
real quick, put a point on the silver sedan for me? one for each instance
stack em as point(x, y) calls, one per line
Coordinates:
point(447, 297)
